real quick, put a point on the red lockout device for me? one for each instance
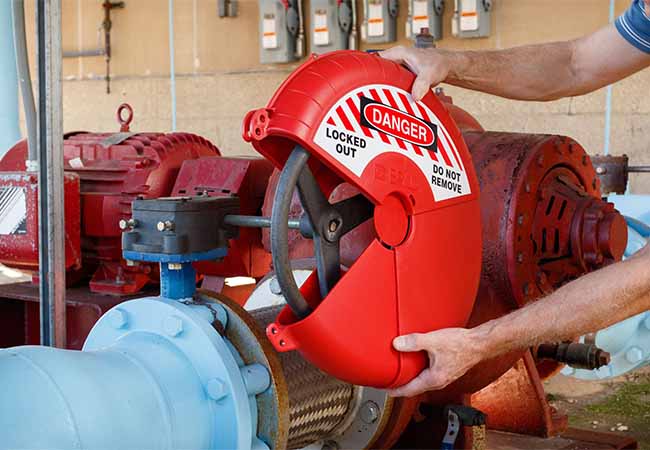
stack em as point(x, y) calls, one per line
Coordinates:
point(348, 117)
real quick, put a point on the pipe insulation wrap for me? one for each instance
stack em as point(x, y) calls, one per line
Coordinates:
point(9, 124)
point(318, 403)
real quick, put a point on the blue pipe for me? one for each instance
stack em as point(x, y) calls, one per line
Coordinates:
point(608, 98)
point(154, 374)
point(9, 124)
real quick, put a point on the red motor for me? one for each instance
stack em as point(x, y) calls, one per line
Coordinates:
point(113, 169)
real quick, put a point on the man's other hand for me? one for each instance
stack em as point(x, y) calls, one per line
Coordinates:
point(431, 66)
point(452, 352)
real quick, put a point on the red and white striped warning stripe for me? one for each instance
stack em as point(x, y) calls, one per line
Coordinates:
point(346, 115)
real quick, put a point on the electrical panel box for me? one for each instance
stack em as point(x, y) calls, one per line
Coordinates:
point(471, 18)
point(281, 31)
point(379, 21)
point(332, 25)
point(425, 14)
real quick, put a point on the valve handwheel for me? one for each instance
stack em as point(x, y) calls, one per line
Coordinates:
point(325, 223)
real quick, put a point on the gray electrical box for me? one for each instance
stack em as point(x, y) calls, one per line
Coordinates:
point(471, 18)
point(425, 14)
point(281, 31)
point(379, 21)
point(332, 22)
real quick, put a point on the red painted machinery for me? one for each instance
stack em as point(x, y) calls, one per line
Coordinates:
point(105, 172)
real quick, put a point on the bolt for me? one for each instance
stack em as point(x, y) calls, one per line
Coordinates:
point(216, 389)
point(125, 224)
point(333, 226)
point(604, 372)
point(167, 225)
point(634, 355)
point(173, 326)
point(520, 219)
point(117, 318)
point(130, 263)
point(256, 378)
point(567, 370)
point(520, 257)
point(369, 412)
point(175, 266)
point(274, 285)
point(600, 170)
point(527, 188)
point(330, 445)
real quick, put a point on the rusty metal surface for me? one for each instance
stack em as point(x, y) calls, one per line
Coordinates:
point(571, 440)
point(517, 403)
point(544, 224)
point(612, 172)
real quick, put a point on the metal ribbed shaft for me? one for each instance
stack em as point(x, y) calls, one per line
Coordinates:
point(318, 403)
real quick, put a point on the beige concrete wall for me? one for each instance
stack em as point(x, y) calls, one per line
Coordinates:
point(219, 77)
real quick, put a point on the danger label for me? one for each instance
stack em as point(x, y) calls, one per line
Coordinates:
point(383, 118)
point(377, 119)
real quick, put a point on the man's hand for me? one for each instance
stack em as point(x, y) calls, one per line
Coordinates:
point(452, 352)
point(430, 65)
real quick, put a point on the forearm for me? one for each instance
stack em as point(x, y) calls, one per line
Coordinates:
point(534, 72)
point(588, 304)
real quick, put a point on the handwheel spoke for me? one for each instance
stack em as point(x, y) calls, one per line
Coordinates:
point(328, 264)
point(312, 198)
point(353, 211)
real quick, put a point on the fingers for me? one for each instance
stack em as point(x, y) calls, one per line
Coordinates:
point(421, 86)
point(396, 54)
point(409, 343)
point(426, 381)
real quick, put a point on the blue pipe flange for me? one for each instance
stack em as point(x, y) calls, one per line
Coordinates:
point(154, 373)
point(628, 341)
point(229, 384)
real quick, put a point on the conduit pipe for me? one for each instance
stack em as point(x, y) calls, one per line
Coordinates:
point(24, 78)
point(9, 125)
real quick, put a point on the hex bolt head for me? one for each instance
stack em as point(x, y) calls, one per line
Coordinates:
point(369, 412)
point(126, 224)
point(604, 372)
point(274, 286)
point(174, 266)
point(256, 378)
point(646, 322)
point(173, 326)
point(216, 389)
point(330, 445)
point(167, 225)
point(117, 318)
point(634, 355)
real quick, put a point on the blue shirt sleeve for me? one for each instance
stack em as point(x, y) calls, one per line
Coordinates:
point(634, 26)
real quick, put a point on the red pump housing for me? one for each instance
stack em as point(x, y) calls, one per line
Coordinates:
point(354, 114)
